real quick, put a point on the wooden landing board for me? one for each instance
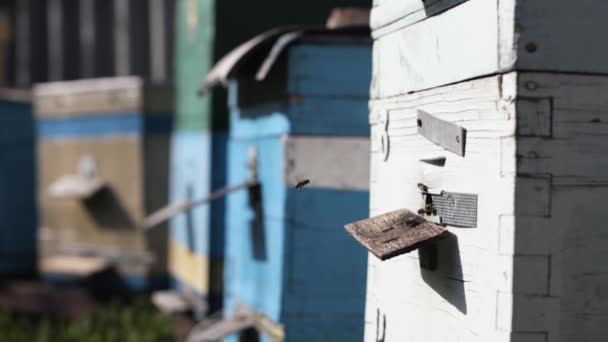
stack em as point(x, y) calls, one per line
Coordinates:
point(76, 187)
point(77, 266)
point(225, 328)
point(170, 302)
point(394, 233)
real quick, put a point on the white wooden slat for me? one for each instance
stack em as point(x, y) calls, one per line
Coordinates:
point(120, 94)
point(479, 38)
point(340, 163)
point(458, 45)
point(402, 13)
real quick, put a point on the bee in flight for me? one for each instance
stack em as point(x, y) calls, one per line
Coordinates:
point(301, 184)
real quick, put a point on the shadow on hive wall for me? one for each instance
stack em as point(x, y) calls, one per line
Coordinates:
point(447, 279)
point(108, 212)
point(257, 223)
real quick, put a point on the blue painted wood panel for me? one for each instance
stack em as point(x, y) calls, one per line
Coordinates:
point(312, 115)
point(327, 269)
point(312, 279)
point(331, 328)
point(330, 70)
point(104, 124)
point(190, 177)
point(18, 214)
point(256, 280)
point(330, 116)
point(201, 230)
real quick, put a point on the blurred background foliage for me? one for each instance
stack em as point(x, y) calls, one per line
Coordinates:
point(114, 322)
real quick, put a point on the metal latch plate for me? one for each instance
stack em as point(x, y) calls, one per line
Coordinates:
point(443, 133)
point(456, 209)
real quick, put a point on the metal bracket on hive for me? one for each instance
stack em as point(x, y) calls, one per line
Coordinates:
point(443, 133)
point(171, 210)
point(398, 232)
point(449, 208)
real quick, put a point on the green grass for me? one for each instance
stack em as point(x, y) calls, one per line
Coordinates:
point(139, 322)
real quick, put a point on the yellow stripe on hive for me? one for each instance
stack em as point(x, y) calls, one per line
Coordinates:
point(189, 268)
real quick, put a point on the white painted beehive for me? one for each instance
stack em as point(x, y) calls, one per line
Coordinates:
point(533, 267)
point(437, 42)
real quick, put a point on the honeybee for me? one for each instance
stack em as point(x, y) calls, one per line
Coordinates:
point(423, 188)
point(301, 184)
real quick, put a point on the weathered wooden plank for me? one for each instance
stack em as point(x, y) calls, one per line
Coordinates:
point(224, 328)
point(395, 233)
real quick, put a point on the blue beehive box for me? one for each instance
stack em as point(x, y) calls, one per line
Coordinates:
point(289, 268)
point(18, 219)
point(196, 239)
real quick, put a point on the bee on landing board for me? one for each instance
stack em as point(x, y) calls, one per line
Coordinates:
point(301, 184)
